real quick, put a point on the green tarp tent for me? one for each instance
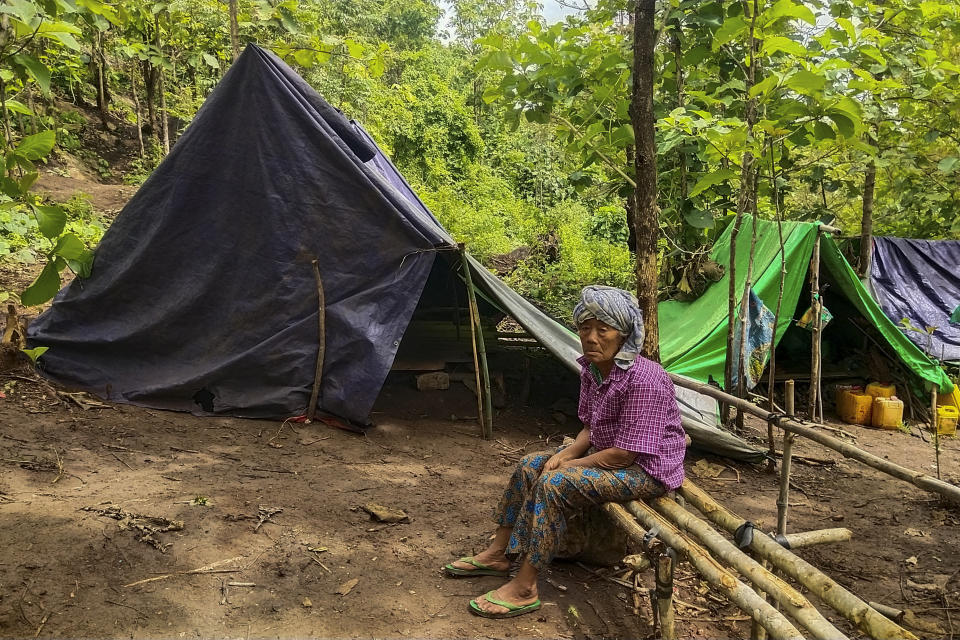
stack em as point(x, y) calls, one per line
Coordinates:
point(693, 334)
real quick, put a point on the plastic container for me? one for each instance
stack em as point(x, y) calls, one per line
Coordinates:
point(881, 390)
point(887, 413)
point(843, 393)
point(950, 399)
point(857, 409)
point(947, 420)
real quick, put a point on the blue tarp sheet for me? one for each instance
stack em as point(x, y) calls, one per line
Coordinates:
point(920, 280)
point(203, 296)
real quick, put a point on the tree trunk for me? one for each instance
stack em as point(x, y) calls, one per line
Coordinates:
point(234, 30)
point(33, 109)
point(164, 121)
point(150, 86)
point(772, 366)
point(647, 219)
point(98, 62)
point(164, 124)
point(866, 226)
point(7, 135)
point(136, 108)
point(744, 203)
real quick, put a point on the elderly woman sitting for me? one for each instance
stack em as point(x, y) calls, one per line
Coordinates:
point(631, 447)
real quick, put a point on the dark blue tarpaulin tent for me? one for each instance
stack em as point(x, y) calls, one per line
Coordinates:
point(920, 280)
point(203, 296)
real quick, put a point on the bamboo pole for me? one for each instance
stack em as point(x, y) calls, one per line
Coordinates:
point(783, 499)
point(916, 478)
point(894, 614)
point(818, 536)
point(821, 585)
point(791, 600)
point(788, 398)
point(712, 571)
point(815, 336)
point(321, 342)
point(476, 359)
point(935, 423)
point(483, 393)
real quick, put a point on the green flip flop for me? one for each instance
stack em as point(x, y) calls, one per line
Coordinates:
point(481, 569)
point(512, 610)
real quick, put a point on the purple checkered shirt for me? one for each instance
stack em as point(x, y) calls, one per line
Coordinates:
point(635, 410)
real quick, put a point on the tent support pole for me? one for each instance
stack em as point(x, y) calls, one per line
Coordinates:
point(922, 480)
point(484, 402)
point(783, 501)
point(815, 338)
point(321, 342)
point(935, 423)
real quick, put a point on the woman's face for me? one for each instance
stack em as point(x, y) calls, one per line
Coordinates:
point(600, 341)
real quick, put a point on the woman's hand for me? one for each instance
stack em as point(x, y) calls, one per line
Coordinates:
point(556, 461)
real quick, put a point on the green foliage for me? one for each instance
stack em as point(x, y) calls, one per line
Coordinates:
point(581, 259)
point(35, 353)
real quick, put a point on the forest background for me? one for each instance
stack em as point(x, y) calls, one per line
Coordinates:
point(516, 132)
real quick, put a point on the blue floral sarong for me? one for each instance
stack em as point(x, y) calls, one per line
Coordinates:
point(537, 505)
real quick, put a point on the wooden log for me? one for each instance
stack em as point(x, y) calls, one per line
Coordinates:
point(818, 536)
point(791, 600)
point(712, 571)
point(925, 482)
point(821, 585)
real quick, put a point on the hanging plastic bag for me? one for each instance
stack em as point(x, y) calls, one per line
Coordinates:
point(806, 321)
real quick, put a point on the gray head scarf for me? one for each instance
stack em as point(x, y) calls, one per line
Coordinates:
point(617, 308)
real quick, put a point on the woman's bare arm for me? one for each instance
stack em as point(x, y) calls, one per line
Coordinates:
point(575, 450)
point(612, 458)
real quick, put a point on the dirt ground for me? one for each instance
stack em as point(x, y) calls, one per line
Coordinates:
point(321, 567)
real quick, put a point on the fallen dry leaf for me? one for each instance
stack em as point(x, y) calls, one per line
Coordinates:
point(347, 586)
point(385, 514)
point(705, 469)
point(911, 620)
point(911, 560)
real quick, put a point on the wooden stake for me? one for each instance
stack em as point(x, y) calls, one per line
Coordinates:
point(663, 575)
point(815, 336)
point(821, 585)
point(788, 397)
point(711, 570)
point(783, 500)
point(925, 482)
point(321, 342)
point(484, 401)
